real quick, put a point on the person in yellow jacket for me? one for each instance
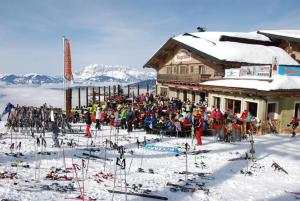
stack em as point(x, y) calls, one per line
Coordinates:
point(123, 118)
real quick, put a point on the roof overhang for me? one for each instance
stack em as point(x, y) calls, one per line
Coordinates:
point(234, 90)
point(278, 36)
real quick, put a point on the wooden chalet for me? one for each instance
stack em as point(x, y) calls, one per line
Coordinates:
point(187, 63)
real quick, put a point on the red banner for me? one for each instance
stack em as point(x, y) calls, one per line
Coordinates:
point(68, 63)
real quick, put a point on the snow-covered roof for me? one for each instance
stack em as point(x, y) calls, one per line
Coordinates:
point(209, 44)
point(215, 36)
point(279, 82)
point(288, 33)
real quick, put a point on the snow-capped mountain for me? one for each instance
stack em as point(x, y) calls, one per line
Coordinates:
point(31, 78)
point(88, 75)
point(123, 74)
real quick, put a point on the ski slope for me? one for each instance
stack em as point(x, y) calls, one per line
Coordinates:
point(223, 181)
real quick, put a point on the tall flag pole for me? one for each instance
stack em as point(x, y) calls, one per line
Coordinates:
point(68, 76)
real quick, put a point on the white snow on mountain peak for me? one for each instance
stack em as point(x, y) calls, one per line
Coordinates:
point(94, 73)
point(120, 72)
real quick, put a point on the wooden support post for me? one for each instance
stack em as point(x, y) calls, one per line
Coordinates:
point(99, 95)
point(94, 97)
point(156, 89)
point(119, 90)
point(138, 89)
point(128, 90)
point(109, 92)
point(79, 99)
point(68, 101)
point(87, 96)
point(147, 88)
point(114, 90)
point(104, 91)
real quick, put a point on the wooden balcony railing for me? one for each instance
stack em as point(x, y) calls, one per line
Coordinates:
point(183, 78)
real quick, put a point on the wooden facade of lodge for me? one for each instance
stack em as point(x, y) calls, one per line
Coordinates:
point(182, 69)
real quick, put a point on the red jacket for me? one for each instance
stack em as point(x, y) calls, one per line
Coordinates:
point(244, 115)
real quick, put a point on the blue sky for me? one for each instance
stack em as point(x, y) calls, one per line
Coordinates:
point(125, 32)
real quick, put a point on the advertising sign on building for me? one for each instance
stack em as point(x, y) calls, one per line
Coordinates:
point(182, 56)
point(255, 71)
point(289, 70)
point(232, 73)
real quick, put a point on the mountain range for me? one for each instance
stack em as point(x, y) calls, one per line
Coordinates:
point(88, 75)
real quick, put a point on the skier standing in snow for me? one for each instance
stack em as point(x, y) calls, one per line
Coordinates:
point(129, 119)
point(199, 129)
point(55, 131)
point(294, 123)
point(98, 112)
point(88, 121)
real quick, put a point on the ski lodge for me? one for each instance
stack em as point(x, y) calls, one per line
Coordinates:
point(234, 71)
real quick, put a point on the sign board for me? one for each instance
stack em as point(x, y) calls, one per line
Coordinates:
point(182, 56)
point(289, 70)
point(255, 71)
point(232, 73)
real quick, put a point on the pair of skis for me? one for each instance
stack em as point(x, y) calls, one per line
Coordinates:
point(145, 195)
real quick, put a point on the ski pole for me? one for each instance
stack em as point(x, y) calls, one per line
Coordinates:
point(75, 166)
point(83, 165)
point(104, 165)
point(115, 178)
point(129, 166)
point(186, 160)
point(87, 166)
point(63, 153)
point(125, 179)
point(142, 157)
point(193, 135)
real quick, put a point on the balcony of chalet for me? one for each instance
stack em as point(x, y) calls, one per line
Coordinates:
point(194, 78)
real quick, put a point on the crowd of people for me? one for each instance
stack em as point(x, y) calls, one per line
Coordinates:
point(160, 114)
point(156, 114)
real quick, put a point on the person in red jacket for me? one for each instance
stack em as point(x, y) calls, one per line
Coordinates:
point(199, 129)
point(294, 123)
point(244, 125)
point(244, 115)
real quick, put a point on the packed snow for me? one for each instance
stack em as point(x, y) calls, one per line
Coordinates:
point(278, 82)
point(223, 180)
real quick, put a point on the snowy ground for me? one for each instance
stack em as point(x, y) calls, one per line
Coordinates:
point(224, 183)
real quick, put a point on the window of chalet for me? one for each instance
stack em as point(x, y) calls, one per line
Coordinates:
point(163, 91)
point(175, 69)
point(183, 69)
point(192, 69)
point(193, 96)
point(201, 69)
point(169, 70)
point(217, 102)
point(233, 106)
point(252, 108)
point(272, 112)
